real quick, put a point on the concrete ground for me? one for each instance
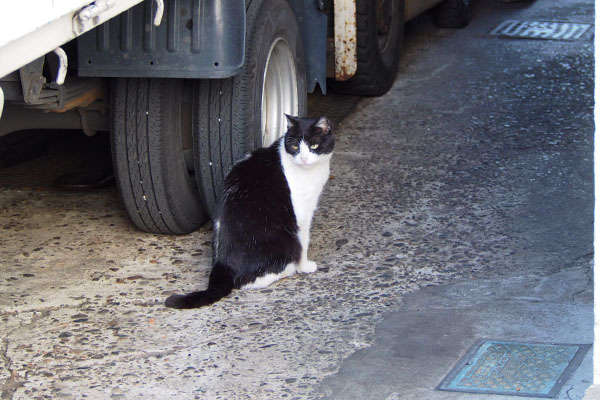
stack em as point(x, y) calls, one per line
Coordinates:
point(461, 207)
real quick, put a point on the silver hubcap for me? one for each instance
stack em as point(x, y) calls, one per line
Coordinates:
point(279, 92)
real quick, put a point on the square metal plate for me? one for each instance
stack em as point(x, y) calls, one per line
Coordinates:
point(542, 30)
point(515, 368)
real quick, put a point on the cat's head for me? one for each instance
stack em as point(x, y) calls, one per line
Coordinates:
point(309, 141)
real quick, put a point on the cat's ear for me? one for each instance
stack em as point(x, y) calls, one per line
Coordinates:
point(324, 125)
point(291, 121)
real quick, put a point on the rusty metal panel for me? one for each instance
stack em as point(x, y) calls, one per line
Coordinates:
point(345, 39)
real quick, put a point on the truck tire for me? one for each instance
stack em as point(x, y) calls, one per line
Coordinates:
point(236, 115)
point(151, 124)
point(379, 34)
point(452, 14)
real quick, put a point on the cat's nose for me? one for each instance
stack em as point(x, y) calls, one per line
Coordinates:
point(304, 159)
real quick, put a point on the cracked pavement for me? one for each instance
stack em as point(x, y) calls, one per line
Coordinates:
point(475, 168)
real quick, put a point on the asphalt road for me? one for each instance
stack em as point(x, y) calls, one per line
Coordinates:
point(476, 168)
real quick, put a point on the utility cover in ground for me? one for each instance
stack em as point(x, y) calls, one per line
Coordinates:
point(514, 368)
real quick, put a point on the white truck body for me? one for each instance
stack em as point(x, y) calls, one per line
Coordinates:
point(31, 28)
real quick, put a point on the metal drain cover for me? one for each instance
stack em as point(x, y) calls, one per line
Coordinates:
point(541, 30)
point(515, 368)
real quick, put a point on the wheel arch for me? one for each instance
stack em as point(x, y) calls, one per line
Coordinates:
point(131, 46)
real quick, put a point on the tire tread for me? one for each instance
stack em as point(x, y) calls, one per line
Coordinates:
point(226, 122)
point(147, 187)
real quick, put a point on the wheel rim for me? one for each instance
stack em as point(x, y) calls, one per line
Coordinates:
point(279, 91)
point(385, 15)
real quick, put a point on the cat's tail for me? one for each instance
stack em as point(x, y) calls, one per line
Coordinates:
point(220, 284)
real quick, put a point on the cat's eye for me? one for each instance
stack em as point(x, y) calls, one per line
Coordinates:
point(314, 146)
point(294, 147)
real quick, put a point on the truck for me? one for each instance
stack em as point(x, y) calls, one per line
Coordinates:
point(188, 87)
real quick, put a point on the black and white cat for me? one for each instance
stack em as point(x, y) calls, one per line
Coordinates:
point(262, 222)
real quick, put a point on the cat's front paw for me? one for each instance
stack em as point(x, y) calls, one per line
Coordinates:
point(307, 267)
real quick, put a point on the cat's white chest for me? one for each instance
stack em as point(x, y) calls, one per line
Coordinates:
point(305, 189)
point(306, 185)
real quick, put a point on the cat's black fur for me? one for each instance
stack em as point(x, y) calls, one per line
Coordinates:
point(255, 228)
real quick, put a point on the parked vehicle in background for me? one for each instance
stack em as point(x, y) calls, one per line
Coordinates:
point(187, 87)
